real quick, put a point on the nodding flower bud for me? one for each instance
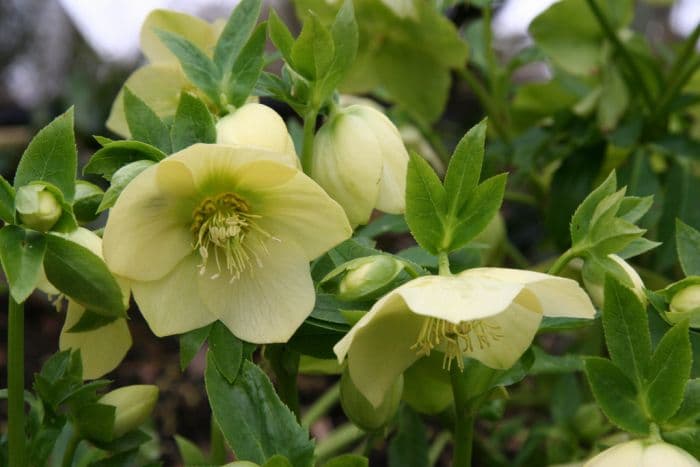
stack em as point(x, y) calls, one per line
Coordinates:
point(368, 277)
point(594, 278)
point(687, 300)
point(359, 158)
point(361, 412)
point(37, 207)
point(256, 125)
point(133, 405)
point(641, 453)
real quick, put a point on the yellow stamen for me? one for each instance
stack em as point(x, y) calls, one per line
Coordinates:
point(221, 225)
point(458, 339)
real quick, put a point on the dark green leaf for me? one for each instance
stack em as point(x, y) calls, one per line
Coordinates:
point(120, 180)
point(227, 351)
point(144, 124)
point(128, 442)
point(280, 35)
point(96, 421)
point(7, 201)
point(425, 204)
point(115, 155)
point(90, 321)
point(689, 411)
point(464, 170)
point(193, 123)
point(626, 330)
point(345, 40)
point(190, 343)
point(236, 33)
point(247, 67)
point(687, 438)
point(87, 200)
point(348, 460)
point(197, 66)
point(668, 373)
point(21, 253)
point(277, 461)
point(580, 222)
point(51, 157)
point(82, 276)
point(555, 364)
point(616, 395)
point(313, 51)
point(409, 448)
point(255, 423)
point(688, 246)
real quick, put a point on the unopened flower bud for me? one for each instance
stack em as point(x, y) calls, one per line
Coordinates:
point(687, 300)
point(641, 453)
point(368, 277)
point(594, 278)
point(259, 126)
point(133, 404)
point(361, 412)
point(38, 208)
point(360, 160)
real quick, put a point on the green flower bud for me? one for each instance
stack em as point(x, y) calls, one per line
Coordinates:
point(133, 404)
point(594, 271)
point(38, 208)
point(360, 160)
point(368, 277)
point(687, 300)
point(641, 453)
point(361, 412)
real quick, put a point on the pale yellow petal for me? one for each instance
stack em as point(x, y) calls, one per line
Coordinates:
point(458, 298)
point(625, 454)
point(558, 296)
point(270, 300)
point(197, 31)
point(148, 231)
point(101, 349)
point(158, 86)
point(173, 305)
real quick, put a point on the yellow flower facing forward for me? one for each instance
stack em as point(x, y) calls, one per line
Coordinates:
point(489, 314)
point(159, 82)
point(223, 232)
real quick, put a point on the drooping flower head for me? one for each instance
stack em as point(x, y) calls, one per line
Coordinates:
point(643, 453)
point(488, 314)
point(223, 232)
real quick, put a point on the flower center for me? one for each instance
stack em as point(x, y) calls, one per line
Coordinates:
point(458, 339)
point(221, 225)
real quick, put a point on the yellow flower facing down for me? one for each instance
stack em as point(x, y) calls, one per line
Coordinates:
point(640, 453)
point(489, 314)
point(222, 232)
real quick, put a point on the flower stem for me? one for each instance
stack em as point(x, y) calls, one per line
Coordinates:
point(321, 406)
point(15, 383)
point(562, 261)
point(444, 264)
point(308, 143)
point(465, 416)
point(438, 446)
point(71, 447)
point(342, 437)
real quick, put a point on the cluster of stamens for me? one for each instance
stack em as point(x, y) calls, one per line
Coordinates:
point(458, 339)
point(221, 225)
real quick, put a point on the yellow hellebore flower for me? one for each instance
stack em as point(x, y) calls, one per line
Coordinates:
point(159, 82)
point(641, 453)
point(223, 232)
point(360, 160)
point(489, 314)
point(101, 349)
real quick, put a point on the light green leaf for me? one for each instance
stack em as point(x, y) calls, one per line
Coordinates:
point(197, 66)
point(21, 252)
point(51, 157)
point(313, 51)
point(190, 343)
point(190, 453)
point(113, 156)
point(626, 331)
point(82, 276)
point(409, 448)
point(227, 351)
point(581, 220)
point(247, 67)
point(688, 246)
point(345, 41)
point(464, 170)
point(668, 373)
point(425, 204)
point(120, 180)
point(614, 98)
point(144, 124)
point(280, 36)
point(348, 460)
point(87, 200)
point(193, 123)
point(278, 461)
point(7, 201)
point(255, 423)
point(616, 395)
point(633, 208)
point(236, 32)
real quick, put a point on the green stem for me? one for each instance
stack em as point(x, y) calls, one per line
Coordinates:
point(338, 440)
point(217, 448)
point(465, 416)
point(71, 447)
point(438, 446)
point(444, 264)
point(308, 143)
point(321, 406)
point(15, 383)
point(486, 101)
point(562, 261)
point(633, 73)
